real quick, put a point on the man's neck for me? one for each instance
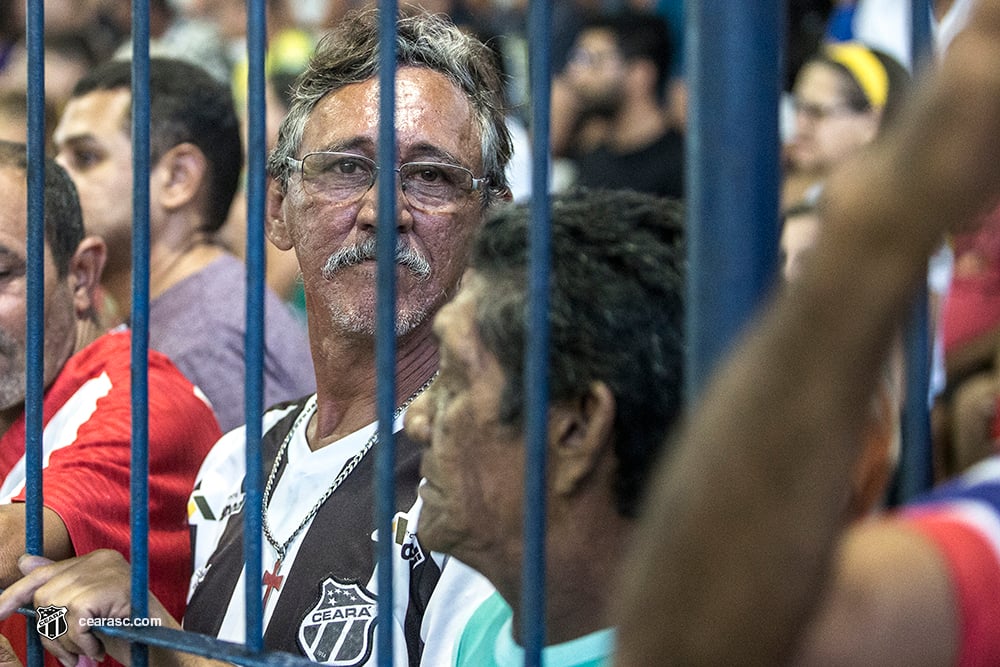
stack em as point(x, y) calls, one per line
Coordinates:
point(115, 298)
point(346, 381)
point(580, 582)
point(169, 265)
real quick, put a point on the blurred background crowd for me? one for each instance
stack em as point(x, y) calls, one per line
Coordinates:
point(618, 120)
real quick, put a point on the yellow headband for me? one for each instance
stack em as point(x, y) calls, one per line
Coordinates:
point(866, 69)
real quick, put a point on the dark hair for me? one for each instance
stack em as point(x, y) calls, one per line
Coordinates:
point(186, 105)
point(63, 219)
point(640, 36)
point(350, 54)
point(616, 314)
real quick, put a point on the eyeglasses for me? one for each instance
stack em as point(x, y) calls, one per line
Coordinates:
point(593, 59)
point(431, 187)
point(818, 112)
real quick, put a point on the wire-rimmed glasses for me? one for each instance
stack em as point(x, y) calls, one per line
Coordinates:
point(344, 178)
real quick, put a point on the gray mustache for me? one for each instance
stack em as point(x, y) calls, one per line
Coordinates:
point(405, 256)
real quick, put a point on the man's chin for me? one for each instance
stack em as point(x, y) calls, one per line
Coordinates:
point(430, 520)
point(364, 324)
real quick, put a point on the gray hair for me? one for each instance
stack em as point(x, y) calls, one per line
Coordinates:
point(350, 54)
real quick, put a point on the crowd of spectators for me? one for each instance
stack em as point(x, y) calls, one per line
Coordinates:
point(618, 118)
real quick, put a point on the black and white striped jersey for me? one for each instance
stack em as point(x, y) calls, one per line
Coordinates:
point(321, 602)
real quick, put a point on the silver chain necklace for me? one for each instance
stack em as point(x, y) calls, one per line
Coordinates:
point(271, 578)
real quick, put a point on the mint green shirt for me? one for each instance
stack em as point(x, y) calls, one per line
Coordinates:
point(487, 641)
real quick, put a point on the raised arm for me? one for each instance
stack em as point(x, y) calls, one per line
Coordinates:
point(744, 518)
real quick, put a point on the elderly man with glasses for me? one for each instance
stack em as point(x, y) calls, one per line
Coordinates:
point(318, 587)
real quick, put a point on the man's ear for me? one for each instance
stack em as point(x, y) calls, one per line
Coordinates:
point(180, 174)
point(85, 270)
point(580, 434)
point(274, 223)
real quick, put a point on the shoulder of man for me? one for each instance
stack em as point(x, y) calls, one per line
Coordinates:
point(218, 488)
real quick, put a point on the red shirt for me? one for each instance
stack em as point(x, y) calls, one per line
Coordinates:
point(86, 444)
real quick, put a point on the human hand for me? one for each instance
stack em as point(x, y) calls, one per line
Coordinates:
point(92, 586)
point(7, 656)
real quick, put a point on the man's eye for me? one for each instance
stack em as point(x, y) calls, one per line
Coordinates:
point(84, 159)
point(346, 166)
point(430, 175)
point(10, 272)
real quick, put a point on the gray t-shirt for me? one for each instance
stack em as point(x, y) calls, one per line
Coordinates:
point(200, 323)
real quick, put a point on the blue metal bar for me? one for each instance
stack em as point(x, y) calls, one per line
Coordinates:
point(203, 645)
point(209, 647)
point(139, 478)
point(196, 644)
point(537, 344)
point(916, 465)
point(732, 172)
point(385, 327)
point(254, 396)
point(921, 44)
point(36, 278)
point(35, 343)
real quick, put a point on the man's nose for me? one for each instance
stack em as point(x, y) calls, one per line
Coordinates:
point(368, 216)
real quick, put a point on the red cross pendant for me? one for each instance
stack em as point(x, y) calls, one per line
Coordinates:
point(272, 581)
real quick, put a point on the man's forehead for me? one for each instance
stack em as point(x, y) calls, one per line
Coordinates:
point(430, 111)
point(93, 110)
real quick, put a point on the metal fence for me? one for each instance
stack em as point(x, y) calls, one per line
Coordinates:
point(733, 205)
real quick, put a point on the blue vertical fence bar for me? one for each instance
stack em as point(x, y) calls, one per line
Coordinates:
point(385, 325)
point(254, 396)
point(139, 481)
point(921, 46)
point(533, 594)
point(537, 343)
point(916, 466)
point(732, 171)
point(35, 343)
